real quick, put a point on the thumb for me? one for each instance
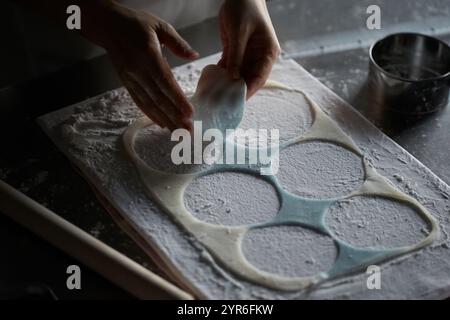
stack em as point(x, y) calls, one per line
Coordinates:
point(235, 55)
point(171, 39)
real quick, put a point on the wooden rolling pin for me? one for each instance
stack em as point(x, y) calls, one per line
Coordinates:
point(116, 267)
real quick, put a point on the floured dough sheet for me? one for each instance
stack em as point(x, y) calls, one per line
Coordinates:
point(90, 134)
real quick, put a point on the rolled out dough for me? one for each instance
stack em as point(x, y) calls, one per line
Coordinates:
point(91, 133)
point(225, 242)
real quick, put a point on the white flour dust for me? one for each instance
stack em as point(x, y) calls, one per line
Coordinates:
point(215, 198)
point(376, 222)
point(320, 170)
point(154, 147)
point(289, 250)
point(278, 109)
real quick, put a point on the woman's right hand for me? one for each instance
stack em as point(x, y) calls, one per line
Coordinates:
point(133, 40)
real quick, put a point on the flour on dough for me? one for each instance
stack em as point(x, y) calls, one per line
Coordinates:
point(294, 209)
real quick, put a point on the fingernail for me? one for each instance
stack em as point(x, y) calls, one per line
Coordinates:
point(194, 54)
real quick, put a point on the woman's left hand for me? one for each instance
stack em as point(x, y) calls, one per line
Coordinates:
point(250, 45)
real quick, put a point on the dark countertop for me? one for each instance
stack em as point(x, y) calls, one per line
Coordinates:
point(33, 165)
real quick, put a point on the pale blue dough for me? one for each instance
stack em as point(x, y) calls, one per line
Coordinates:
point(215, 107)
point(221, 105)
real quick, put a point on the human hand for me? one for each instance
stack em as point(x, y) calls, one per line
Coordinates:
point(250, 45)
point(133, 40)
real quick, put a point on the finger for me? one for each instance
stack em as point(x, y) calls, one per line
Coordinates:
point(150, 106)
point(163, 78)
point(235, 55)
point(141, 99)
point(162, 102)
point(257, 73)
point(149, 113)
point(222, 63)
point(223, 60)
point(168, 36)
point(224, 38)
point(254, 84)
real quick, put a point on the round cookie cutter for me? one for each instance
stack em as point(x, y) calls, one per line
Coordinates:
point(410, 73)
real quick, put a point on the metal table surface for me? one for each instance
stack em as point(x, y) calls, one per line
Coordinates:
point(31, 163)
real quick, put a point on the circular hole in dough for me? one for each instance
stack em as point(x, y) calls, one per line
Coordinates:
point(320, 170)
point(287, 111)
point(366, 221)
point(153, 145)
point(290, 251)
point(231, 199)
